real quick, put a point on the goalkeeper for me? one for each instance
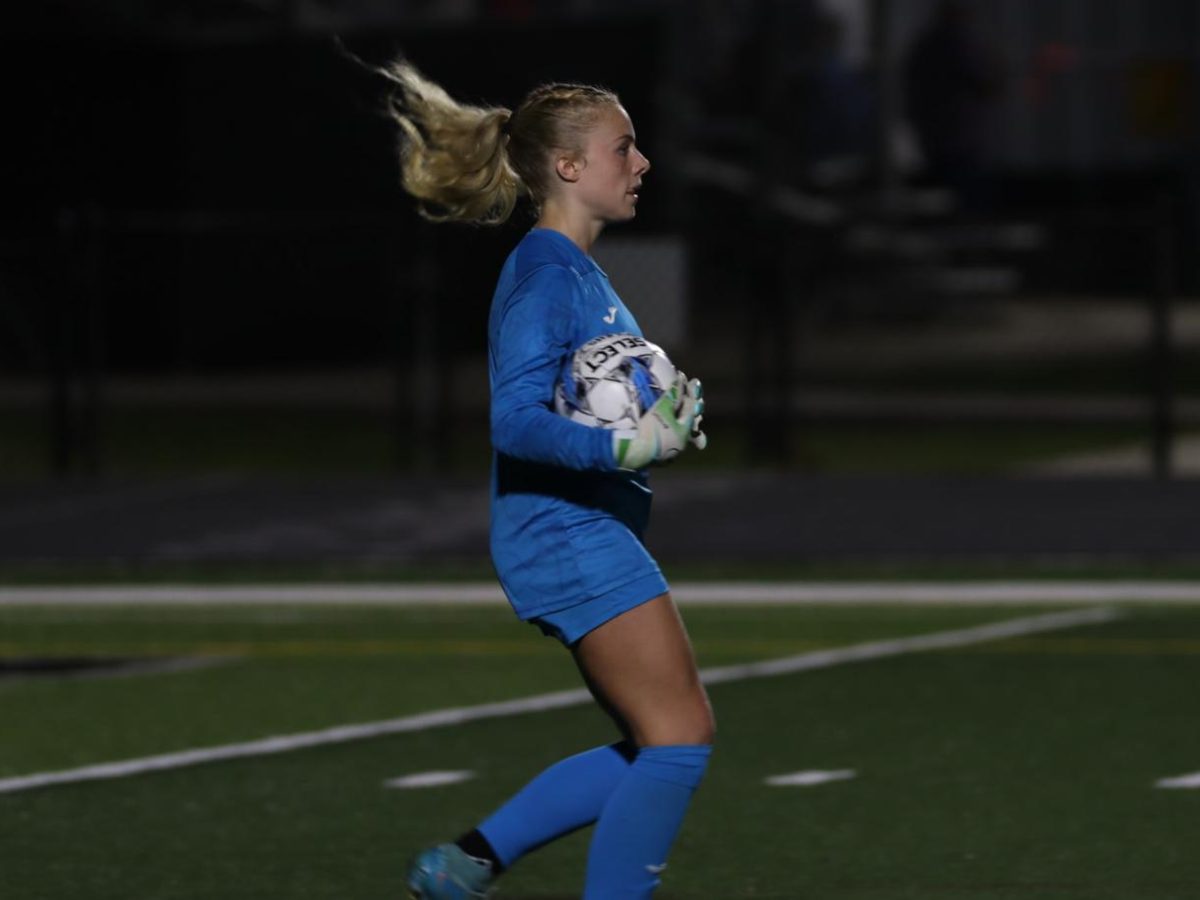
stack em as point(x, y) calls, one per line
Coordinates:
point(569, 502)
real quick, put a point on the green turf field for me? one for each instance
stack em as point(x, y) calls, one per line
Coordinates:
point(1013, 768)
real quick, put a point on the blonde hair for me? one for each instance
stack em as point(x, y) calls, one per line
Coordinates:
point(467, 163)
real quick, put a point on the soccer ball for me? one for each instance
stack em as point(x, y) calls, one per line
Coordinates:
point(612, 380)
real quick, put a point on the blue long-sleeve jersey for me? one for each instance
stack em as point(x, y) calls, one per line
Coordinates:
point(562, 512)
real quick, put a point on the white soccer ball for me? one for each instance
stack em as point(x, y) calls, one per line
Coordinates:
point(612, 380)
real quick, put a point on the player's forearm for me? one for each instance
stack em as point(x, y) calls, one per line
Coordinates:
point(536, 434)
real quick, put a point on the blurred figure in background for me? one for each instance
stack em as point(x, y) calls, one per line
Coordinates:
point(829, 109)
point(953, 81)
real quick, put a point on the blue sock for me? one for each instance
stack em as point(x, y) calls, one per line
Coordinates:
point(568, 795)
point(639, 823)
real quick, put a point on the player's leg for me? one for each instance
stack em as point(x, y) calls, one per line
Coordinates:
point(567, 796)
point(573, 792)
point(641, 667)
point(563, 798)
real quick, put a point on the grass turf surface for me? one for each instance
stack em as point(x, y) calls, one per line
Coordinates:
point(1019, 768)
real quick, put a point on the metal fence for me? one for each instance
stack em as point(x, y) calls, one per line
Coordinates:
point(816, 339)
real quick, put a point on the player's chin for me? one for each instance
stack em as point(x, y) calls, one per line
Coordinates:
point(620, 212)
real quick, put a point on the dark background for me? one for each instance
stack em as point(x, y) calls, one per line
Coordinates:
point(243, 190)
point(207, 265)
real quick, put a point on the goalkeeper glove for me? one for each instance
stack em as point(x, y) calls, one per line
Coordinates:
point(665, 429)
point(696, 437)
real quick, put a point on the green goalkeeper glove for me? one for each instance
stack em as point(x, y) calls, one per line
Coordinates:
point(693, 388)
point(665, 429)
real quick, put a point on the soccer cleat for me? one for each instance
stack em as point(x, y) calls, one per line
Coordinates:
point(446, 872)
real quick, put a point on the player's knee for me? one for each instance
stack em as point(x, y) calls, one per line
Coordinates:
point(697, 726)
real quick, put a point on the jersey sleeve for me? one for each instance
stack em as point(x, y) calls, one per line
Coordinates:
point(533, 337)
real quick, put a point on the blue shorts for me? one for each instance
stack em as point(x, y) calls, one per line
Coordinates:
point(572, 623)
point(570, 567)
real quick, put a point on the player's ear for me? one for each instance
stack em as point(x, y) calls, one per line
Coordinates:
point(569, 168)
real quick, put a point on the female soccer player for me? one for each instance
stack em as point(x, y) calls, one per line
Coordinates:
point(569, 502)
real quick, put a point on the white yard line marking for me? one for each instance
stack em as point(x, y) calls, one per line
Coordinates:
point(429, 779)
point(288, 742)
point(1180, 782)
point(254, 594)
point(557, 700)
point(820, 659)
point(986, 593)
point(809, 778)
point(686, 593)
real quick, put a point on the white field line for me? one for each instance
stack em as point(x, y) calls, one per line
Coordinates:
point(810, 778)
point(685, 592)
point(558, 699)
point(1180, 782)
point(429, 779)
point(254, 594)
point(940, 640)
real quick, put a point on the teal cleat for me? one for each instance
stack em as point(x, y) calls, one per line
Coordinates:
point(445, 872)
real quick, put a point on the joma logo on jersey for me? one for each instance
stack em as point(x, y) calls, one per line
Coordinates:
point(612, 315)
